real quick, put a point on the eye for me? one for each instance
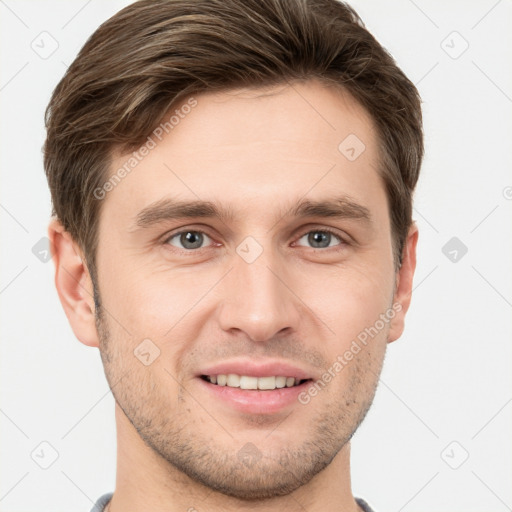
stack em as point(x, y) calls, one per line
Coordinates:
point(188, 240)
point(322, 239)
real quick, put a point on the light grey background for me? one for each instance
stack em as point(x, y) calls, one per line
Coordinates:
point(445, 391)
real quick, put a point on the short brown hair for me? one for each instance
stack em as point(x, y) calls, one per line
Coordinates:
point(155, 53)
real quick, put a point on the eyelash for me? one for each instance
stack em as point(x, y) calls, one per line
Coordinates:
point(190, 251)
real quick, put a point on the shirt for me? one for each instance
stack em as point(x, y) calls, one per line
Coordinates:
point(103, 500)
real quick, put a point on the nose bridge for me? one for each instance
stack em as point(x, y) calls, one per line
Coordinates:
point(256, 299)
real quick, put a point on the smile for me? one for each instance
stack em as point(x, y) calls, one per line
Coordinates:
point(248, 382)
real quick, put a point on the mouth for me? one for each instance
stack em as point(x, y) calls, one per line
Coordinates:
point(251, 382)
point(261, 387)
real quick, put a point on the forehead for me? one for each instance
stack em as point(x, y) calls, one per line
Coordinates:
point(253, 148)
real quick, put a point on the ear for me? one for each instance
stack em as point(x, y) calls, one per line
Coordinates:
point(73, 283)
point(404, 279)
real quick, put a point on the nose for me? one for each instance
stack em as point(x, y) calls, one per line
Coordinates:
point(258, 299)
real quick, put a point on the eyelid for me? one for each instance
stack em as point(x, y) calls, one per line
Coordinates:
point(324, 229)
point(344, 239)
point(167, 237)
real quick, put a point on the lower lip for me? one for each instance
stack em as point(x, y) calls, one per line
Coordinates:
point(254, 401)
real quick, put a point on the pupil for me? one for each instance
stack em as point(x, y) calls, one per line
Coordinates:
point(318, 239)
point(191, 240)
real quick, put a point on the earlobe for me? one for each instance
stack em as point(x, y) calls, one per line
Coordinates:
point(73, 283)
point(404, 282)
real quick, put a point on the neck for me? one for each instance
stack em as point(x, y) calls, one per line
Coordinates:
point(145, 481)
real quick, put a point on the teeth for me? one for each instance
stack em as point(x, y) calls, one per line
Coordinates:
point(247, 382)
point(267, 383)
point(233, 381)
point(280, 382)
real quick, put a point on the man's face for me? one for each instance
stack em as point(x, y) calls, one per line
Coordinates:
point(261, 293)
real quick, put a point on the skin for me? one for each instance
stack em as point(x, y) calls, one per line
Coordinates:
point(257, 152)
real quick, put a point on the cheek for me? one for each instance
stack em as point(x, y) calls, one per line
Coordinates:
point(349, 301)
point(162, 305)
point(156, 302)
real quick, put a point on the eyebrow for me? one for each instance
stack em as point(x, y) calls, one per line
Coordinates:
point(172, 209)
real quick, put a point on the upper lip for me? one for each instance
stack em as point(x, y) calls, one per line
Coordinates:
point(263, 368)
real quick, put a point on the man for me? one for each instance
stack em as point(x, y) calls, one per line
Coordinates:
point(232, 186)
